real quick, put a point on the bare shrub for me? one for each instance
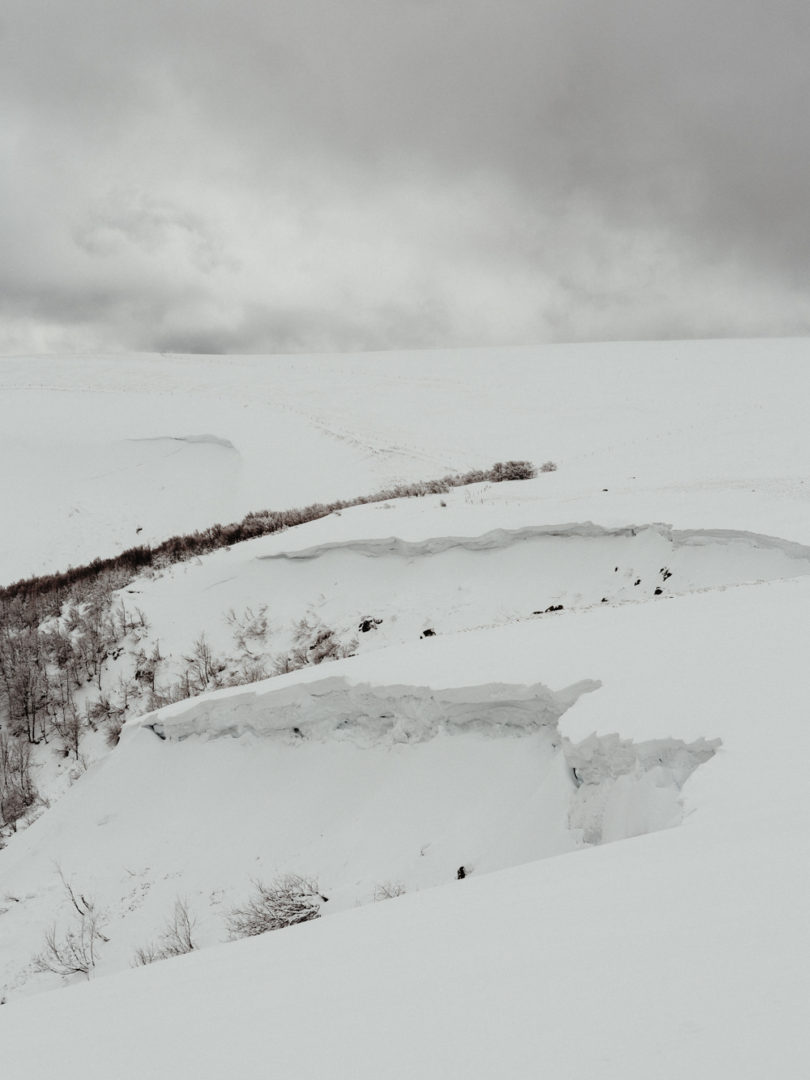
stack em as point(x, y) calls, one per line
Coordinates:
point(146, 667)
point(248, 627)
point(112, 735)
point(203, 667)
point(313, 643)
point(176, 939)
point(74, 952)
point(548, 466)
point(387, 890)
point(286, 901)
point(249, 671)
point(511, 470)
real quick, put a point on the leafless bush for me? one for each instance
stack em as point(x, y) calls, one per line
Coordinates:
point(176, 939)
point(74, 952)
point(512, 470)
point(313, 643)
point(146, 667)
point(112, 735)
point(249, 671)
point(387, 890)
point(248, 627)
point(548, 466)
point(286, 901)
point(203, 667)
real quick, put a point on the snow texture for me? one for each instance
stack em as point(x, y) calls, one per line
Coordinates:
point(365, 714)
point(663, 707)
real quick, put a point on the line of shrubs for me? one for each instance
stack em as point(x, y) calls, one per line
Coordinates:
point(122, 568)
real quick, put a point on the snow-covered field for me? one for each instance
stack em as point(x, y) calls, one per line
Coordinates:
point(621, 778)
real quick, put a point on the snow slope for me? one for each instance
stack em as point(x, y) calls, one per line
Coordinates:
point(422, 578)
point(679, 952)
point(693, 433)
point(654, 947)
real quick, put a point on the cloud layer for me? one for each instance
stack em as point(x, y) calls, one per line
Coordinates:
point(305, 175)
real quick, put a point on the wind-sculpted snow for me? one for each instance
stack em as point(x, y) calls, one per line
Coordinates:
point(335, 708)
point(620, 788)
point(435, 545)
point(627, 789)
point(497, 539)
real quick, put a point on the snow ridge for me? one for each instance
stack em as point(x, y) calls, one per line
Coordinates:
point(336, 708)
point(620, 788)
point(503, 538)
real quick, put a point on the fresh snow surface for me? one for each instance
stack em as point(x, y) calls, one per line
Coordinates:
point(445, 583)
point(621, 779)
point(693, 433)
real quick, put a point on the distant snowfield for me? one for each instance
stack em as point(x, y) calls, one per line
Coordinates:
point(698, 434)
point(664, 708)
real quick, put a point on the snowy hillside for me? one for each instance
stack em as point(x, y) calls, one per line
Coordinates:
point(588, 690)
point(699, 434)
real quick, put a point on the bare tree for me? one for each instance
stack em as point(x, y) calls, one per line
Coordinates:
point(65, 719)
point(74, 952)
point(17, 791)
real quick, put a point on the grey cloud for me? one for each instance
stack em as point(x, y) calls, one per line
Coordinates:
point(198, 162)
point(150, 225)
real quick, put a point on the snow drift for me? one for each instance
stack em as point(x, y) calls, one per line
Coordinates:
point(357, 783)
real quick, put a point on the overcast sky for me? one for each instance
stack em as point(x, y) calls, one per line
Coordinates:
point(288, 175)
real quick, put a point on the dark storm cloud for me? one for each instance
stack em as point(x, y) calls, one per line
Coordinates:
point(311, 175)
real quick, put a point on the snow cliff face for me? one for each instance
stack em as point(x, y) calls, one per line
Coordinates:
point(627, 789)
point(620, 789)
point(365, 714)
point(361, 785)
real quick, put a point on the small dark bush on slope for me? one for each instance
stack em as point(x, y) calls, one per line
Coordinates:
point(286, 901)
point(512, 470)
